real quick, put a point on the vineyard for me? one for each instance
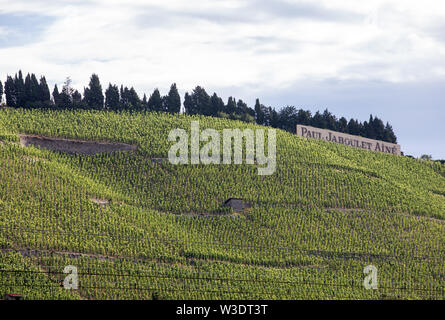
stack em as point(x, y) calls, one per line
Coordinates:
point(138, 227)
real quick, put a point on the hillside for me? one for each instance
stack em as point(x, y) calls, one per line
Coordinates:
point(160, 231)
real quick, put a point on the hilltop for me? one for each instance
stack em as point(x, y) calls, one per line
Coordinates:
point(137, 226)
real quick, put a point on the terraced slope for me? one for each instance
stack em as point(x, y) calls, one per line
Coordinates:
point(137, 226)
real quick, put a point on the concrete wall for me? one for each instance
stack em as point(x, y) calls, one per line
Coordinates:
point(348, 139)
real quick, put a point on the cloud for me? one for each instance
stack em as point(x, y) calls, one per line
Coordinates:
point(18, 29)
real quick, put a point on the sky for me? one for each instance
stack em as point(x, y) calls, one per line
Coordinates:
point(355, 58)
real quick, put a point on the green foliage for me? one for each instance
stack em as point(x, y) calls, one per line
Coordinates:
point(327, 211)
point(93, 94)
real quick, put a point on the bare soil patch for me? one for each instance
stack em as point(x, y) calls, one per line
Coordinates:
point(74, 146)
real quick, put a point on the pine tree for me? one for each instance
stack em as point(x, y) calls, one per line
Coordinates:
point(112, 99)
point(93, 95)
point(173, 100)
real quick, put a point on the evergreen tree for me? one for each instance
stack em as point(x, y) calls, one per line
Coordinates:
point(259, 112)
point(274, 119)
point(66, 96)
point(188, 104)
point(134, 100)
point(19, 88)
point(378, 129)
point(11, 93)
point(56, 97)
point(155, 101)
point(44, 94)
point(173, 100)
point(201, 102)
point(144, 103)
point(35, 91)
point(77, 100)
point(217, 104)
point(112, 99)
point(27, 97)
point(368, 128)
point(304, 117)
point(231, 106)
point(318, 121)
point(93, 95)
point(329, 120)
point(1, 92)
point(129, 99)
point(342, 125)
point(353, 127)
point(389, 135)
point(287, 119)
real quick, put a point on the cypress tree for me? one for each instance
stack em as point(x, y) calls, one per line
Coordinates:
point(35, 91)
point(44, 90)
point(259, 112)
point(19, 88)
point(76, 100)
point(44, 94)
point(231, 106)
point(134, 100)
point(27, 92)
point(304, 117)
point(155, 101)
point(11, 92)
point(173, 100)
point(200, 102)
point(343, 124)
point(217, 104)
point(188, 103)
point(1, 92)
point(66, 96)
point(389, 135)
point(112, 100)
point(93, 95)
point(144, 103)
point(56, 97)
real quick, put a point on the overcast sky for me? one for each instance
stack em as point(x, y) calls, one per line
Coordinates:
point(385, 57)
